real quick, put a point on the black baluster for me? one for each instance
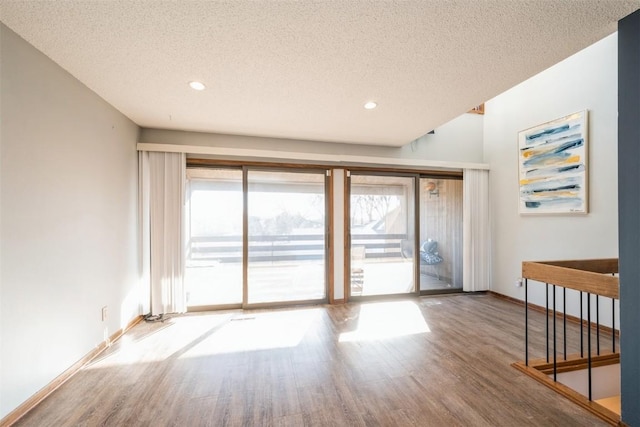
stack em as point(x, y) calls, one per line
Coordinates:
point(613, 323)
point(589, 340)
point(564, 321)
point(581, 326)
point(598, 325)
point(547, 326)
point(526, 324)
point(555, 366)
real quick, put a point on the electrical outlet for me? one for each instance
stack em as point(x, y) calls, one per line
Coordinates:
point(104, 313)
point(518, 282)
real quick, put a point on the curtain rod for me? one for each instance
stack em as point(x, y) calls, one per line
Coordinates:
point(338, 159)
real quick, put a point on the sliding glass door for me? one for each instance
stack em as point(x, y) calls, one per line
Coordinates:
point(286, 235)
point(282, 256)
point(440, 240)
point(213, 268)
point(258, 236)
point(382, 235)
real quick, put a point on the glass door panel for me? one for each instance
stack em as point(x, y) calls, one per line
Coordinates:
point(382, 230)
point(440, 234)
point(286, 223)
point(213, 268)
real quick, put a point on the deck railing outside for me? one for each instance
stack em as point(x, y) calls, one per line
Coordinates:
point(287, 247)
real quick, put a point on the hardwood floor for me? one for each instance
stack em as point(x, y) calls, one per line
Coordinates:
point(444, 362)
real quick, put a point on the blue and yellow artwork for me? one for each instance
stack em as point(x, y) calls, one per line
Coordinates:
point(553, 166)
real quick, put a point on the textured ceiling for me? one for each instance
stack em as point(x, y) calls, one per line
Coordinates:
point(304, 69)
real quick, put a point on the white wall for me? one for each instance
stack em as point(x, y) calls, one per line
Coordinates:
point(587, 80)
point(459, 140)
point(605, 381)
point(69, 220)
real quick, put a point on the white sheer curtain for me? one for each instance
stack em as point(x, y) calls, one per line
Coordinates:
point(162, 196)
point(476, 262)
point(144, 231)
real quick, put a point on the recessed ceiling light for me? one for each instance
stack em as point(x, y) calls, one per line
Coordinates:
point(370, 105)
point(197, 85)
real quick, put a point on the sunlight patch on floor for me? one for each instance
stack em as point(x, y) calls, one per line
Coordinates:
point(257, 331)
point(384, 320)
point(155, 342)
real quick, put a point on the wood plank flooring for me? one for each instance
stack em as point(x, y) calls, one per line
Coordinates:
point(431, 361)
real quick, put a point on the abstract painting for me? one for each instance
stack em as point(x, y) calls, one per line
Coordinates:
point(552, 161)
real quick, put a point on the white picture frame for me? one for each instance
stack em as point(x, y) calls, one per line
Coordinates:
point(553, 168)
